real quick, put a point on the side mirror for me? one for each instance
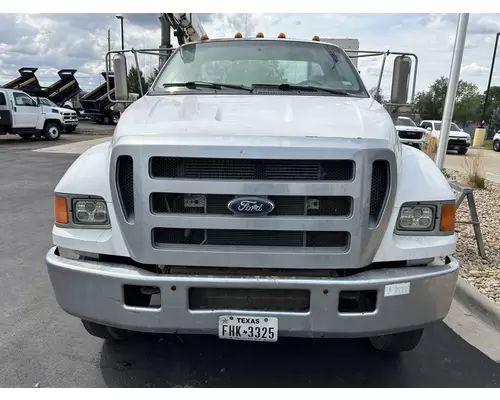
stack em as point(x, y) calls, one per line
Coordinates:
point(120, 75)
point(429, 129)
point(401, 80)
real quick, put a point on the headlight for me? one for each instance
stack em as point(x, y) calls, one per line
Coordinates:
point(90, 212)
point(416, 218)
point(55, 111)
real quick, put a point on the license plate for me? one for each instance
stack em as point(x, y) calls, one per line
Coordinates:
point(259, 329)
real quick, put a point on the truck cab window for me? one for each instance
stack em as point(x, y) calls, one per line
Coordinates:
point(23, 100)
point(3, 101)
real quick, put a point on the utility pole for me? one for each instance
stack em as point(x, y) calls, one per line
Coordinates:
point(120, 17)
point(165, 45)
point(483, 116)
point(109, 48)
point(449, 104)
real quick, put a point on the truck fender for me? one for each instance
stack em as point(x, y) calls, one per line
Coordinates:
point(89, 173)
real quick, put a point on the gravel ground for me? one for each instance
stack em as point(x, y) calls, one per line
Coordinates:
point(483, 274)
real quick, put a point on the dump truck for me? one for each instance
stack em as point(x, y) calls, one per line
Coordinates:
point(256, 191)
point(98, 103)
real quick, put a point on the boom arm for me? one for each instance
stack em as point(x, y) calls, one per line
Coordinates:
point(187, 27)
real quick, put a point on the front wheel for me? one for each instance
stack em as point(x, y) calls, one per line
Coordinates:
point(397, 342)
point(463, 150)
point(496, 145)
point(51, 131)
point(106, 332)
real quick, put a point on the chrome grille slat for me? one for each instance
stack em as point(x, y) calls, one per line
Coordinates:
point(251, 169)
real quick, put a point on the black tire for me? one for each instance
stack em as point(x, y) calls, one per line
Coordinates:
point(106, 332)
point(462, 151)
point(397, 342)
point(52, 131)
point(496, 145)
point(25, 136)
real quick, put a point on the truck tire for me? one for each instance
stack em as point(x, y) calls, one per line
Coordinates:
point(397, 342)
point(106, 332)
point(496, 145)
point(52, 131)
point(463, 150)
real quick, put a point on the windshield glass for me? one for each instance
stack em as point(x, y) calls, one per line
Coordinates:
point(252, 62)
point(47, 102)
point(453, 126)
point(405, 122)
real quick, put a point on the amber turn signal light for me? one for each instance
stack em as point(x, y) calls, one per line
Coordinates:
point(61, 210)
point(448, 216)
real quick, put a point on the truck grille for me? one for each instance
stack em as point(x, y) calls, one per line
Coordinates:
point(410, 135)
point(125, 183)
point(217, 204)
point(379, 190)
point(241, 169)
point(244, 237)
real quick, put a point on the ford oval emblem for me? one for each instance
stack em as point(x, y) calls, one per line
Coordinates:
point(251, 206)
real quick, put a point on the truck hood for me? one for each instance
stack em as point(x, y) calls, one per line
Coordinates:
point(404, 128)
point(457, 134)
point(256, 115)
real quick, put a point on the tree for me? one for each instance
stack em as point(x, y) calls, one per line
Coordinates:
point(468, 102)
point(379, 97)
point(494, 125)
point(152, 77)
point(133, 81)
point(493, 101)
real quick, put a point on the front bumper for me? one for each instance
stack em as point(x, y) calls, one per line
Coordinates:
point(94, 291)
point(70, 123)
point(412, 141)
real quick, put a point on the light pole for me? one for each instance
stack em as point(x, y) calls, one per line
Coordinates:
point(489, 81)
point(120, 17)
point(449, 103)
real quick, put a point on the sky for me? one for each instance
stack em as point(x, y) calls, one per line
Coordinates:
point(51, 42)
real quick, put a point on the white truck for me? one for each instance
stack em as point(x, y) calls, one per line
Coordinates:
point(70, 117)
point(276, 200)
point(21, 115)
point(409, 133)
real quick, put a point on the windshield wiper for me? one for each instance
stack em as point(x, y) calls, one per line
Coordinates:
point(212, 85)
point(287, 86)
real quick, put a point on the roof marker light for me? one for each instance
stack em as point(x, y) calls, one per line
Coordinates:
point(282, 36)
point(238, 35)
point(204, 37)
point(260, 35)
point(316, 38)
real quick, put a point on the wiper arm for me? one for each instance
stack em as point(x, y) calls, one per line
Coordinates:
point(212, 85)
point(287, 86)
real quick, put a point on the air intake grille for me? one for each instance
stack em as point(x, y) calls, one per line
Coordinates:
point(379, 189)
point(125, 184)
point(284, 205)
point(241, 169)
point(236, 237)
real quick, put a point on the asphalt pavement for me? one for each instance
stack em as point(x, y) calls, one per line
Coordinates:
point(42, 346)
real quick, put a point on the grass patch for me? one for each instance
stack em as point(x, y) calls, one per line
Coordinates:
point(473, 170)
point(430, 147)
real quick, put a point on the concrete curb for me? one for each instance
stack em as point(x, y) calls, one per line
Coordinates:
point(474, 300)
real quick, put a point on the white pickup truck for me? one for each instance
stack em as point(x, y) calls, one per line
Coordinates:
point(256, 191)
point(21, 115)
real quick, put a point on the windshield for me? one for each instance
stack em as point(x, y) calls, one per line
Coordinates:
point(453, 126)
point(253, 62)
point(47, 102)
point(405, 122)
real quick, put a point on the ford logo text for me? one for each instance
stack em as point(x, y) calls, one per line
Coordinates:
point(251, 206)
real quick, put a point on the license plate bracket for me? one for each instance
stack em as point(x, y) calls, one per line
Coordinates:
point(248, 328)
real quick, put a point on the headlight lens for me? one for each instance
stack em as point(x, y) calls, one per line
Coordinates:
point(90, 212)
point(416, 218)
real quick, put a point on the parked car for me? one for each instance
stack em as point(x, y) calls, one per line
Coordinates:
point(458, 139)
point(496, 141)
point(409, 133)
